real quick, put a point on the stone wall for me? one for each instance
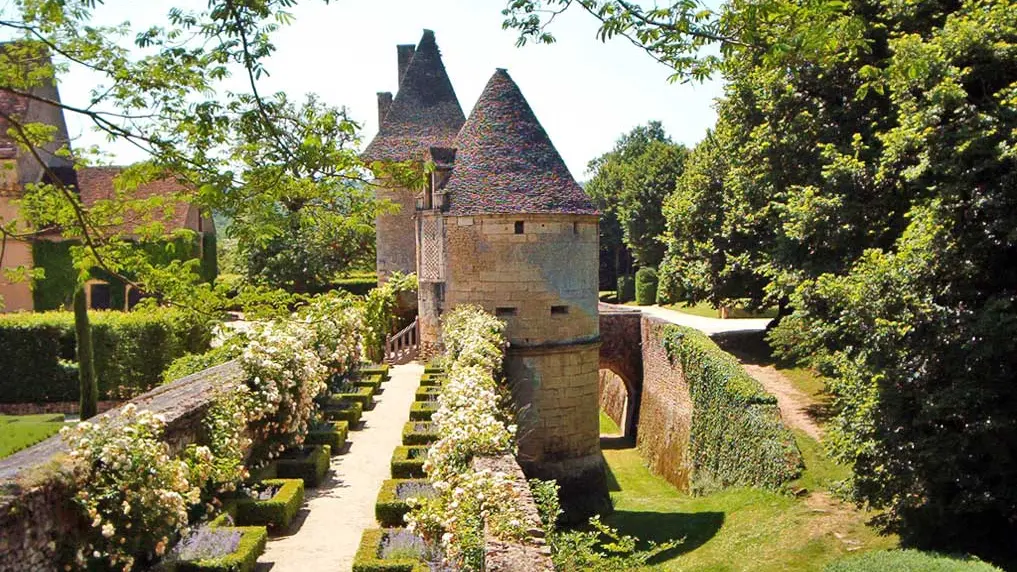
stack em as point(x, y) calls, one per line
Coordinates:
point(613, 396)
point(665, 410)
point(33, 512)
point(531, 554)
point(621, 354)
point(396, 245)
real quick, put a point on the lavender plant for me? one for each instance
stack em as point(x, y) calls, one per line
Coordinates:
point(206, 543)
point(403, 545)
point(414, 490)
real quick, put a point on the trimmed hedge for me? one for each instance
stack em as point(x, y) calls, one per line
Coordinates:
point(347, 411)
point(737, 437)
point(422, 410)
point(37, 352)
point(408, 462)
point(646, 286)
point(277, 512)
point(243, 559)
point(626, 289)
point(907, 561)
point(310, 464)
point(367, 560)
point(190, 364)
point(434, 367)
point(413, 436)
point(383, 369)
point(371, 381)
point(427, 393)
point(389, 509)
point(432, 379)
point(334, 435)
point(363, 395)
point(359, 284)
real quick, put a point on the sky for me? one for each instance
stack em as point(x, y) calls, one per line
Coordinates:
point(585, 92)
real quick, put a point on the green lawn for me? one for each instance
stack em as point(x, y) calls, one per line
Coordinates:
point(741, 529)
point(19, 432)
point(608, 426)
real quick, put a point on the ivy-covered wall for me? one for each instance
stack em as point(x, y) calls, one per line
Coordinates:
point(705, 424)
point(54, 292)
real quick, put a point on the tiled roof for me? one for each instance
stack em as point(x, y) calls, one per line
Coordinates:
point(96, 183)
point(506, 163)
point(425, 112)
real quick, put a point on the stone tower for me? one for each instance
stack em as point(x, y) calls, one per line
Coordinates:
point(424, 113)
point(505, 225)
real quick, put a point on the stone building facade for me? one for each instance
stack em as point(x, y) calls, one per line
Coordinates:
point(501, 223)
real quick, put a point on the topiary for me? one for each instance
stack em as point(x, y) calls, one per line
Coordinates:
point(626, 288)
point(646, 286)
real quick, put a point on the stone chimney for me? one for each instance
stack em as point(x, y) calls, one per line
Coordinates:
point(384, 102)
point(406, 52)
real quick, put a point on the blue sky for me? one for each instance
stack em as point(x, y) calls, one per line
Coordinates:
point(585, 92)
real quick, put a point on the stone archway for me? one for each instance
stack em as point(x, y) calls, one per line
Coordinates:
point(621, 354)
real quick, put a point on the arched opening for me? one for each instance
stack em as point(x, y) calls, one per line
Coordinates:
point(617, 405)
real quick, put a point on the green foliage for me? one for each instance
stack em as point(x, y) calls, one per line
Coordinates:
point(358, 284)
point(381, 305)
point(646, 286)
point(367, 559)
point(626, 288)
point(23, 431)
point(350, 412)
point(907, 561)
point(737, 437)
point(190, 364)
point(423, 436)
point(422, 410)
point(408, 462)
point(629, 186)
point(55, 290)
point(209, 270)
point(426, 393)
point(333, 434)
point(375, 369)
point(389, 508)
point(131, 351)
point(364, 396)
point(432, 379)
point(277, 512)
point(310, 464)
point(244, 558)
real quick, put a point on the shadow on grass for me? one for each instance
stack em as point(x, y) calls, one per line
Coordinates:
point(695, 528)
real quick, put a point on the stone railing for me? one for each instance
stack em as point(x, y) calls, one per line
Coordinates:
point(530, 555)
point(33, 508)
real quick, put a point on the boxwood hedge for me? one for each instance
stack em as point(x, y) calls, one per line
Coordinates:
point(419, 433)
point(277, 512)
point(243, 559)
point(333, 434)
point(408, 462)
point(367, 559)
point(422, 410)
point(347, 411)
point(310, 464)
point(389, 508)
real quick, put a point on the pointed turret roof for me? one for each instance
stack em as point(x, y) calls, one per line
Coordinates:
point(506, 163)
point(425, 112)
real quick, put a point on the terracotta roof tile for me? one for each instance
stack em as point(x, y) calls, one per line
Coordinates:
point(425, 112)
point(97, 183)
point(506, 163)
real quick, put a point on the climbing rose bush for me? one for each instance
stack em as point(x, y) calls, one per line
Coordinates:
point(337, 325)
point(131, 491)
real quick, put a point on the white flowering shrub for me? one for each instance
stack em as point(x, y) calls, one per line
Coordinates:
point(469, 422)
point(337, 325)
point(133, 494)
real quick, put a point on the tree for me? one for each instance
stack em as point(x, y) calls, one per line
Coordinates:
point(629, 186)
point(869, 181)
point(88, 400)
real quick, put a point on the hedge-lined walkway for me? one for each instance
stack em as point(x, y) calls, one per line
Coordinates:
point(336, 513)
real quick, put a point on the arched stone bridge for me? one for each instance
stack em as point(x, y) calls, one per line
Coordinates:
point(621, 353)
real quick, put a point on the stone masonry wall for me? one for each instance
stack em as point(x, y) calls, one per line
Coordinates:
point(612, 397)
point(665, 412)
point(33, 514)
point(396, 242)
point(531, 554)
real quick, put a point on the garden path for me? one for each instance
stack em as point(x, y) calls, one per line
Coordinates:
point(328, 529)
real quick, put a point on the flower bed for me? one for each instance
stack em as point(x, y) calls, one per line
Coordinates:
point(275, 512)
point(390, 550)
point(427, 393)
point(220, 549)
point(393, 499)
point(423, 410)
point(331, 433)
point(408, 462)
point(309, 463)
point(419, 433)
point(344, 411)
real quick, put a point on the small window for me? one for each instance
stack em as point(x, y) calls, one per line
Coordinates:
point(559, 310)
point(575, 228)
point(519, 227)
point(505, 312)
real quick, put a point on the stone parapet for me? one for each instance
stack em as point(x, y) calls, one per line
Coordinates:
point(531, 554)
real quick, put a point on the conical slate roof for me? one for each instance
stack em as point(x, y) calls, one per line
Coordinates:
point(506, 163)
point(425, 112)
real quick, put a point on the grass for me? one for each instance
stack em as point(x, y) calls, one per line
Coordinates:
point(18, 432)
point(741, 529)
point(608, 426)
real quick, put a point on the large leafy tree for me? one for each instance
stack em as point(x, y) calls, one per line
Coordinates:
point(629, 184)
point(868, 162)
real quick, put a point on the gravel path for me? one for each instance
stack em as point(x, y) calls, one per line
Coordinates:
point(327, 532)
point(706, 325)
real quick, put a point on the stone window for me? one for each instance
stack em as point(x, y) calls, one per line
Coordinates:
point(520, 227)
point(558, 310)
point(505, 312)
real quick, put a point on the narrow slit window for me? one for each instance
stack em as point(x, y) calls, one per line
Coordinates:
point(505, 312)
point(575, 228)
point(558, 310)
point(520, 227)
